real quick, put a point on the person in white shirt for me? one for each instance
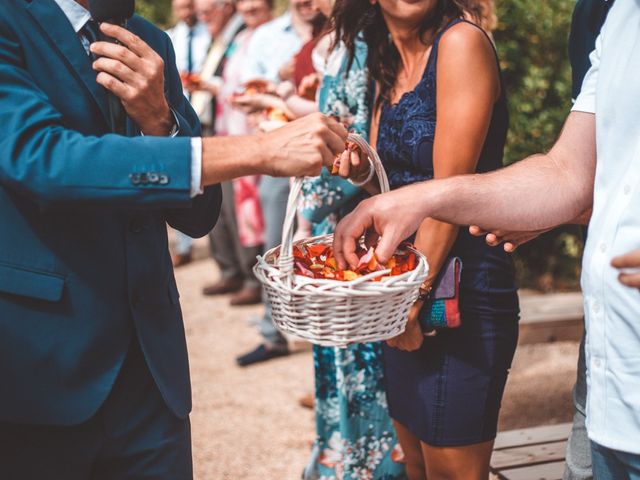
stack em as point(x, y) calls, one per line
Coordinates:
point(275, 43)
point(268, 57)
point(190, 38)
point(594, 164)
point(191, 41)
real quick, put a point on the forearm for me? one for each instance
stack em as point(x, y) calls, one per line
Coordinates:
point(584, 218)
point(532, 195)
point(225, 158)
point(297, 149)
point(538, 193)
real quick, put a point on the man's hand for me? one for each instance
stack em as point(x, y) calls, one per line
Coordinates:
point(134, 73)
point(386, 219)
point(412, 337)
point(510, 240)
point(303, 147)
point(513, 239)
point(629, 266)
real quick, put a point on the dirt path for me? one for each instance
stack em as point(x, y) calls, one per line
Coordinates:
point(247, 424)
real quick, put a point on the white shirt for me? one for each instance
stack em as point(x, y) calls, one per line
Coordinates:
point(78, 16)
point(611, 90)
point(272, 45)
point(200, 43)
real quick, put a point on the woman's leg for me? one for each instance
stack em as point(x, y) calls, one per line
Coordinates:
point(458, 463)
point(414, 462)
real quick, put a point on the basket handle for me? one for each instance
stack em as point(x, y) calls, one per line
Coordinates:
point(285, 261)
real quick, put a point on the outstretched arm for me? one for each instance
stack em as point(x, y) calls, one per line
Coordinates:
point(42, 158)
point(538, 193)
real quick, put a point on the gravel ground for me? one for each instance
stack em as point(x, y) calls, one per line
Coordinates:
point(247, 424)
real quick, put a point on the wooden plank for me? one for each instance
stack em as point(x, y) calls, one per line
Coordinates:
point(550, 318)
point(528, 455)
point(547, 471)
point(553, 331)
point(551, 306)
point(530, 436)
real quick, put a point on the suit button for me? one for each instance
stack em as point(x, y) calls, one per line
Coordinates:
point(135, 178)
point(163, 179)
point(154, 178)
point(144, 178)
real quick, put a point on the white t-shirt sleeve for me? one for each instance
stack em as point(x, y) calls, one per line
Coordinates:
point(586, 101)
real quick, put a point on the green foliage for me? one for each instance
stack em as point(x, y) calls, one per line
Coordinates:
point(532, 38)
point(157, 11)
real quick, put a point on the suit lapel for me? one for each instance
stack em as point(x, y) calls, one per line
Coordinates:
point(56, 26)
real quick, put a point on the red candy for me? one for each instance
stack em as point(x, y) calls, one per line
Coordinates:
point(317, 261)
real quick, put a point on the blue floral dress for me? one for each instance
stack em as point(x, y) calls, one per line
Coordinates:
point(355, 436)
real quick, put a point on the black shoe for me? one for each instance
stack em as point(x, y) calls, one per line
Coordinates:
point(261, 354)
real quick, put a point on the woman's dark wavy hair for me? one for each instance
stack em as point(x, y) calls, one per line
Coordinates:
point(353, 17)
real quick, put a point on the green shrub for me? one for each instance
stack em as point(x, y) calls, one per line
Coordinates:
point(532, 42)
point(157, 11)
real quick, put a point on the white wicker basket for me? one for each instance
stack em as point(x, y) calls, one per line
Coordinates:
point(332, 312)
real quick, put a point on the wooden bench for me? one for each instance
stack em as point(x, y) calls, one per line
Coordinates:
point(551, 317)
point(531, 454)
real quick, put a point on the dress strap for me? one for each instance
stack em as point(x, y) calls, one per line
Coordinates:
point(433, 56)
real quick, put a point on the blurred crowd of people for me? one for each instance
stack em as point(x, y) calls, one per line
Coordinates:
point(243, 72)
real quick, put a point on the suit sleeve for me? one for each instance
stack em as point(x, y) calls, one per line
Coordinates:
point(201, 216)
point(55, 166)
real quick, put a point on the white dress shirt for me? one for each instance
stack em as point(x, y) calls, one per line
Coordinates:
point(272, 45)
point(200, 43)
point(78, 16)
point(611, 91)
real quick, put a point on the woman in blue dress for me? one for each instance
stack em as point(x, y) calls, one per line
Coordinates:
point(440, 110)
point(355, 436)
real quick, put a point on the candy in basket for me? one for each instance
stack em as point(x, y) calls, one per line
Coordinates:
point(313, 299)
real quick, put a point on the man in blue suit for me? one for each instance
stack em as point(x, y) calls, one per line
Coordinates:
point(93, 362)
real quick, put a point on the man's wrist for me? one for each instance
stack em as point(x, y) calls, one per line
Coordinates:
point(259, 159)
point(162, 126)
point(430, 198)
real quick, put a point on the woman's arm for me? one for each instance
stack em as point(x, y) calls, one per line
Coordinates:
point(468, 85)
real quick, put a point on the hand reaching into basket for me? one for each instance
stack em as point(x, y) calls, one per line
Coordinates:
point(387, 220)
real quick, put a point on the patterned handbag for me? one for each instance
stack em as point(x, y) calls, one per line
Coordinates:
point(442, 307)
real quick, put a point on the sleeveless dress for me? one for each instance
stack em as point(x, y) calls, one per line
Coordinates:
point(355, 436)
point(448, 392)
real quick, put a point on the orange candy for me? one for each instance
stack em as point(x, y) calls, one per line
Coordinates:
point(317, 261)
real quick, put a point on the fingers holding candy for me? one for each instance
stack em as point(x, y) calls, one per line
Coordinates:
point(352, 163)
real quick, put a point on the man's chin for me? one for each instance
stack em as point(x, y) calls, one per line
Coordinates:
point(307, 14)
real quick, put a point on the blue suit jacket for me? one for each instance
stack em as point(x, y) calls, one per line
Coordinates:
point(84, 263)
